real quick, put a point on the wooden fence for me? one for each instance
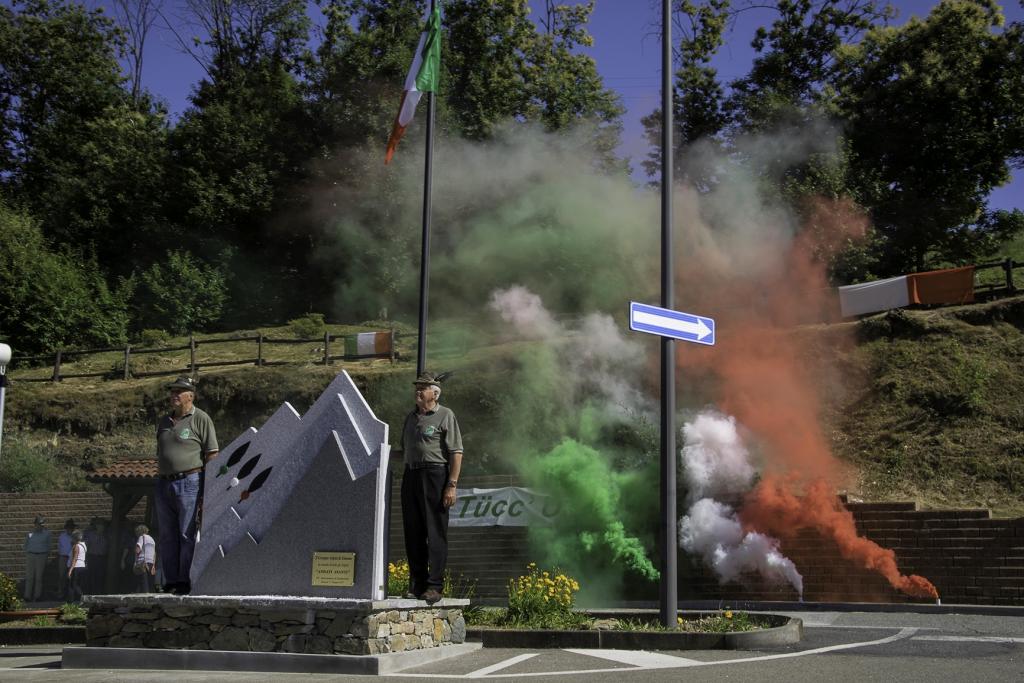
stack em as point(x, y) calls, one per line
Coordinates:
point(260, 340)
point(1006, 287)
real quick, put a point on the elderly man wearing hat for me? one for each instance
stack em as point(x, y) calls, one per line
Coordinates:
point(185, 441)
point(432, 444)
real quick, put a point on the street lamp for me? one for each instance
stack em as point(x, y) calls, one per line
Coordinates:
point(5, 358)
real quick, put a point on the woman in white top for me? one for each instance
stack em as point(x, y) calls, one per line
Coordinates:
point(145, 560)
point(76, 567)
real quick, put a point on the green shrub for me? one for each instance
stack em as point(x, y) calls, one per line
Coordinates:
point(542, 599)
point(309, 325)
point(53, 297)
point(26, 470)
point(398, 578)
point(71, 613)
point(154, 337)
point(9, 599)
point(181, 295)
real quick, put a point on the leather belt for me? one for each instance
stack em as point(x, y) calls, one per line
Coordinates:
point(425, 465)
point(180, 475)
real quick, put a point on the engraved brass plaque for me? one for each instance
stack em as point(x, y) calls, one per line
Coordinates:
point(334, 569)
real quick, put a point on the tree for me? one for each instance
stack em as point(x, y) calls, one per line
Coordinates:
point(76, 150)
point(698, 96)
point(243, 146)
point(935, 113)
point(180, 295)
point(136, 18)
point(50, 298)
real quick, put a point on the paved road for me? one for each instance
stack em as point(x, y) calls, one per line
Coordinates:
point(853, 646)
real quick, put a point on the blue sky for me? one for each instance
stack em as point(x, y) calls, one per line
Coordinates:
point(626, 48)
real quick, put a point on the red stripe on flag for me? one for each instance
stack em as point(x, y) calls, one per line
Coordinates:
point(397, 131)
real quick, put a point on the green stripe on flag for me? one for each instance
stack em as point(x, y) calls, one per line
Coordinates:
point(430, 68)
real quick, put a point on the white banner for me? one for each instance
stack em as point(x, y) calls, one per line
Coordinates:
point(509, 506)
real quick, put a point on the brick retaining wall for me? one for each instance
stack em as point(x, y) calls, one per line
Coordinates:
point(970, 557)
point(17, 515)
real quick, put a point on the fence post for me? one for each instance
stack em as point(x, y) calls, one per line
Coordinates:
point(392, 349)
point(56, 368)
point(192, 355)
point(327, 348)
point(127, 360)
point(1008, 269)
point(259, 350)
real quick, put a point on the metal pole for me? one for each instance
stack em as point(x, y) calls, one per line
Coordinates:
point(421, 351)
point(669, 597)
point(3, 386)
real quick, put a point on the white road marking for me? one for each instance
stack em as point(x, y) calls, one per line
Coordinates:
point(904, 633)
point(970, 639)
point(638, 658)
point(480, 673)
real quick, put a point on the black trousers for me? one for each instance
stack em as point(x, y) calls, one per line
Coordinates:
point(425, 520)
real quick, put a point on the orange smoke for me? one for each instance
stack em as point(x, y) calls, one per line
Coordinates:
point(763, 371)
point(773, 509)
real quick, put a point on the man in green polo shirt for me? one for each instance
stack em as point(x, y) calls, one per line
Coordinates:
point(185, 441)
point(432, 444)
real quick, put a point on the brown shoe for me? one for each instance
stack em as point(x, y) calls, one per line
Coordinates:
point(432, 595)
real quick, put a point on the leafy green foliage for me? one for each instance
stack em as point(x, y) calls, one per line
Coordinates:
point(53, 298)
point(77, 151)
point(542, 599)
point(307, 326)
point(72, 613)
point(9, 598)
point(935, 112)
point(30, 469)
point(182, 294)
point(927, 118)
point(153, 337)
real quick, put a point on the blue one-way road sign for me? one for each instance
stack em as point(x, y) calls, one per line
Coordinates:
point(665, 322)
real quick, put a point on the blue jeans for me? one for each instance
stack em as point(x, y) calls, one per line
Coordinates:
point(176, 514)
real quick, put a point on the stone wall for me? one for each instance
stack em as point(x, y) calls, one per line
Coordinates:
point(350, 627)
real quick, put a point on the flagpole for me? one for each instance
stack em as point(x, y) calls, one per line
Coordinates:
point(421, 351)
point(669, 589)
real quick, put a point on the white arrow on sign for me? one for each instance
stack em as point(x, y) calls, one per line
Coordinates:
point(665, 322)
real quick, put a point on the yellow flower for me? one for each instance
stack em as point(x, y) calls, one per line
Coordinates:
point(679, 620)
point(728, 614)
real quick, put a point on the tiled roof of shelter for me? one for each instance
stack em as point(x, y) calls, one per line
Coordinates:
point(121, 470)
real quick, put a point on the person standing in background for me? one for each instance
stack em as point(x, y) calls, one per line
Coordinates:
point(64, 546)
point(37, 549)
point(76, 567)
point(145, 560)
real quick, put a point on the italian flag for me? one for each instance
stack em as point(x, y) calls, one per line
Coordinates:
point(423, 77)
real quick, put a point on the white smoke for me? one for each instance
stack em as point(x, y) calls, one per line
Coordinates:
point(712, 531)
point(716, 464)
point(600, 362)
point(525, 312)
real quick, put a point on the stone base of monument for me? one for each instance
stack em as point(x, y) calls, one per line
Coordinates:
point(267, 633)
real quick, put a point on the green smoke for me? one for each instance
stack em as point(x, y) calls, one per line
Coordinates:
point(595, 504)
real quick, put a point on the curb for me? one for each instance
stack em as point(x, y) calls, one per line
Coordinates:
point(262, 662)
point(788, 631)
point(882, 607)
point(42, 635)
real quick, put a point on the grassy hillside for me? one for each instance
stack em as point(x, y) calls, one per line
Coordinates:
point(938, 409)
point(928, 405)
